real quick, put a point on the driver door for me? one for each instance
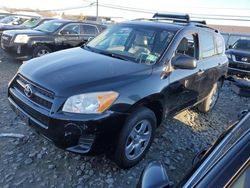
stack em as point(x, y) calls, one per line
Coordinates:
point(184, 83)
point(69, 36)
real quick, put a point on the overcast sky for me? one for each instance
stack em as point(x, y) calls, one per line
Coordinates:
point(239, 8)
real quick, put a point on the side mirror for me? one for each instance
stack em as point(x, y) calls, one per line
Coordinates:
point(90, 39)
point(184, 62)
point(230, 46)
point(154, 175)
point(64, 32)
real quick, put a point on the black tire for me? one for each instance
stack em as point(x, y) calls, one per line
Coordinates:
point(121, 157)
point(41, 50)
point(209, 103)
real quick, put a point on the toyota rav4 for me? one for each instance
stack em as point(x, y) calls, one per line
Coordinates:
point(112, 93)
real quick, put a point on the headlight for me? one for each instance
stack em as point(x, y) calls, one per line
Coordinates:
point(229, 56)
point(233, 58)
point(90, 103)
point(21, 39)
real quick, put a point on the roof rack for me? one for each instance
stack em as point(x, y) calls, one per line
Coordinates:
point(175, 17)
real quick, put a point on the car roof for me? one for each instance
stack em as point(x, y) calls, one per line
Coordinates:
point(171, 26)
point(156, 24)
point(74, 21)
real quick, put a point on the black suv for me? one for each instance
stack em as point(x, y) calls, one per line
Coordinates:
point(48, 37)
point(28, 24)
point(239, 57)
point(112, 93)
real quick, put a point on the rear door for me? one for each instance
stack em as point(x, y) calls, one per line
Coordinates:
point(87, 31)
point(210, 62)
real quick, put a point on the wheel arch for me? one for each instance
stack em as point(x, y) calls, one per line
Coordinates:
point(154, 103)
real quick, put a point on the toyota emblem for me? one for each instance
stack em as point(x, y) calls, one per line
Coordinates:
point(28, 90)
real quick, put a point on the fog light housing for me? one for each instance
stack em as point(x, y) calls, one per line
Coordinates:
point(19, 49)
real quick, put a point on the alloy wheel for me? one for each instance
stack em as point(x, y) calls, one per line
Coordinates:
point(138, 139)
point(42, 53)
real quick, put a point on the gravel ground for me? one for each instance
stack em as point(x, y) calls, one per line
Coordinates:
point(34, 162)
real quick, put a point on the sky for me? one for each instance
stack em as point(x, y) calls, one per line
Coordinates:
point(197, 8)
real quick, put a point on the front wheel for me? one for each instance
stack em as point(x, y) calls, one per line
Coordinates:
point(212, 98)
point(135, 138)
point(41, 51)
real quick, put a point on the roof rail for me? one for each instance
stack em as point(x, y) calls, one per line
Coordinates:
point(199, 22)
point(174, 17)
point(207, 27)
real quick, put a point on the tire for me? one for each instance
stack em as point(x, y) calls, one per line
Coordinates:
point(135, 138)
point(211, 100)
point(41, 51)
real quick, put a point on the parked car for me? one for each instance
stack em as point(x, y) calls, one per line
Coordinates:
point(14, 20)
point(28, 24)
point(239, 57)
point(3, 15)
point(113, 92)
point(48, 37)
point(231, 38)
point(225, 164)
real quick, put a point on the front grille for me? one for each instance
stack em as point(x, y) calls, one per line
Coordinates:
point(33, 113)
point(242, 58)
point(39, 95)
point(6, 39)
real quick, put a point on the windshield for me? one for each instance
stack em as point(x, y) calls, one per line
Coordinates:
point(242, 44)
point(50, 26)
point(8, 19)
point(31, 22)
point(137, 44)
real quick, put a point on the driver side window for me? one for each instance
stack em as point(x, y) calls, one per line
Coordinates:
point(188, 46)
point(72, 29)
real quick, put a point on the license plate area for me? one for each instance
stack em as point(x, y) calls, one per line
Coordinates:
point(22, 116)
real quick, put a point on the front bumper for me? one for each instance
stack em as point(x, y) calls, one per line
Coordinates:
point(18, 51)
point(239, 68)
point(85, 134)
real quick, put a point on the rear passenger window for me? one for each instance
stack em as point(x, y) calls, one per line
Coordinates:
point(207, 45)
point(89, 30)
point(219, 44)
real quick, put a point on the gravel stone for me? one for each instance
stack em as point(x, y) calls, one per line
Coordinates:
point(79, 173)
point(28, 161)
point(51, 166)
point(110, 181)
point(39, 156)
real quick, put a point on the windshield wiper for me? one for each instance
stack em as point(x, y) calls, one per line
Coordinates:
point(39, 30)
point(114, 55)
point(86, 47)
point(107, 53)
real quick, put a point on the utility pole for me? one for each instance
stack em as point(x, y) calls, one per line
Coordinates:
point(97, 10)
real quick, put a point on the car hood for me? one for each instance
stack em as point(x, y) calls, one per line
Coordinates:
point(30, 32)
point(76, 70)
point(9, 27)
point(239, 52)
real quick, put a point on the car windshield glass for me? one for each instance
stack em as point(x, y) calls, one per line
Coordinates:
point(242, 45)
point(8, 19)
point(50, 26)
point(31, 22)
point(137, 44)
